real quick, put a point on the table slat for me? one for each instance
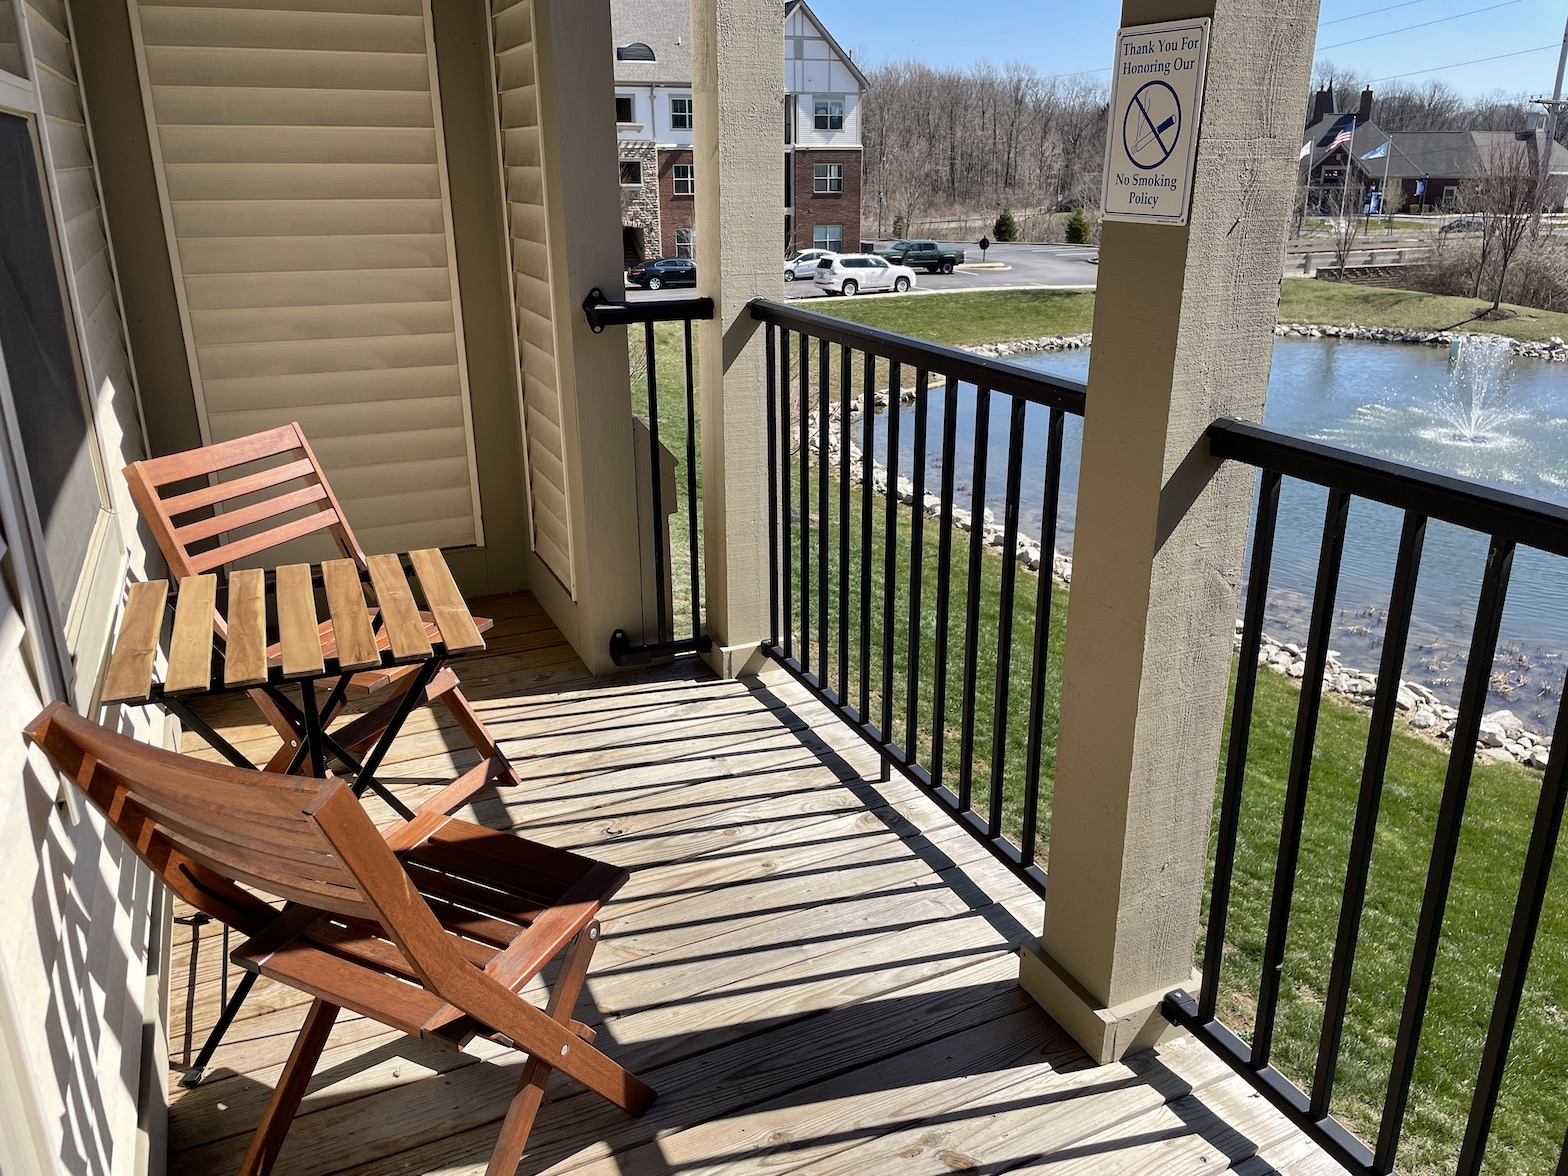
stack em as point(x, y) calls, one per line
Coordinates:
point(245, 649)
point(190, 648)
point(405, 630)
point(298, 626)
point(458, 632)
point(356, 640)
point(130, 668)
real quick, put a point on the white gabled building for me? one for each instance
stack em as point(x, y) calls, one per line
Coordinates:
point(655, 121)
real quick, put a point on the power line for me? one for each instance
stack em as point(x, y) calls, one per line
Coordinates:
point(1323, 24)
point(1457, 64)
point(1422, 25)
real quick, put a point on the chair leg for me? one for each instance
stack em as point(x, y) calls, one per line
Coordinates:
point(479, 735)
point(530, 1090)
point(284, 1104)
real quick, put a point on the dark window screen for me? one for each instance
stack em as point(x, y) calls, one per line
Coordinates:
point(37, 350)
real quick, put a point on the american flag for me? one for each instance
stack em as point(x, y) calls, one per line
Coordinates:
point(1343, 137)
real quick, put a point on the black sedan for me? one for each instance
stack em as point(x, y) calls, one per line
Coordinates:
point(662, 272)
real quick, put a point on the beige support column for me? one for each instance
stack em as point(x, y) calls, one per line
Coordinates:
point(738, 88)
point(1183, 333)
point(577, 131)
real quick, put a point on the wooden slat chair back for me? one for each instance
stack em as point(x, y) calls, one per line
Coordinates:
point(433, 929)
point(289, 498)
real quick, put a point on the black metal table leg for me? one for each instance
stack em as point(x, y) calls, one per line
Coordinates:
point(193, 1076)
point(196, 723)
point(310, 709)
point(405, 707)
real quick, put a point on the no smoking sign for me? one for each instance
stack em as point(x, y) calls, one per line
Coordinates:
point(1156, 105)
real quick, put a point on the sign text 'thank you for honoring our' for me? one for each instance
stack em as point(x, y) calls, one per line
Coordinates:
point(1156, 106)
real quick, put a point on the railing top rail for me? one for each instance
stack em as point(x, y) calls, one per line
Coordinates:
point(1487, 509)
point(603, 311)
point(1008, 378)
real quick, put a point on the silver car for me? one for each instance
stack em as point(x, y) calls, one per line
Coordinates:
point(803, 265)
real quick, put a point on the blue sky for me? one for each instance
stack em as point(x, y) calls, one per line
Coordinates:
point(1058, 40)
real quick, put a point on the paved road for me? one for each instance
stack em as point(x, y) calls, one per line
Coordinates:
point(1027, 265)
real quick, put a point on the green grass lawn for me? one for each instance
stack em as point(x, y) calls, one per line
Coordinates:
point(969, 317)
point(999, 316)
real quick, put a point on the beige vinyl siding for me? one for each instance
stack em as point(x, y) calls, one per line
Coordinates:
point(10, 41)
point(522, 161)
point(302, 173)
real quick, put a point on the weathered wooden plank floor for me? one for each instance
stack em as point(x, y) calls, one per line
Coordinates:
point(815, 970)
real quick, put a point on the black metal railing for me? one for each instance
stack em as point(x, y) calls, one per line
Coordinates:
point(681, 536)
point(1348, 1015)
point(871, 609)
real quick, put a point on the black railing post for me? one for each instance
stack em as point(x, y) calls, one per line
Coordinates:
point(1445, 845)
point(773, 486)
point(1385, 706)
point(1319, 631)
point(601, 312)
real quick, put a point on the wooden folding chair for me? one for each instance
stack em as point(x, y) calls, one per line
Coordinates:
point(433, 930)
point(285, 496)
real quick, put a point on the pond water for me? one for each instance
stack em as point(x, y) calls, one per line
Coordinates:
point(1492, 417)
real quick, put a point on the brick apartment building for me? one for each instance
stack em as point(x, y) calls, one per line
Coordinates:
point(653, 113)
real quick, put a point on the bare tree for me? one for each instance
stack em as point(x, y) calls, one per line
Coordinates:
point(1508, 195)
point(961, 144)
point(1345, 225)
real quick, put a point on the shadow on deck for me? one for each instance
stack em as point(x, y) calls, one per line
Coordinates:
point(817, 971)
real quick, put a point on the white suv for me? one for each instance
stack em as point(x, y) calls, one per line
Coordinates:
point(850, 273)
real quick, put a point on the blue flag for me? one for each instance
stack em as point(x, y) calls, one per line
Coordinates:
point(1379, 152)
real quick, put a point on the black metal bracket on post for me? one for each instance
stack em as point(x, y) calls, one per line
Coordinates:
point(624, 653)
point(601, 312)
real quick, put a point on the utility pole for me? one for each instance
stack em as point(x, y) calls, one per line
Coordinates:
point(1553, 106)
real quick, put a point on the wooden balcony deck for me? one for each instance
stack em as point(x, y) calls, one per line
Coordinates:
point(815, 970)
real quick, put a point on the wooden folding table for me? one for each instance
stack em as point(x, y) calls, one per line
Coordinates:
point(375, 623)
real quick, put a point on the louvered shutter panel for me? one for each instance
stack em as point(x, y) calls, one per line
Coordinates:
point(522, 159)
point(302, 169)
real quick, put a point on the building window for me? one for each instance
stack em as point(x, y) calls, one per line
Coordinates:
point(827, 177)
point(680, 114)
point(830, 114)
point(685, 176)
point(625, 108)
point(828, 237)
point(636, 51)
point(631, 173)
point(685, 242)
point(789, 119)
point(789, 182)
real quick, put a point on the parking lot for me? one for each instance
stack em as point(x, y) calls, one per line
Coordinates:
point(1008, 266)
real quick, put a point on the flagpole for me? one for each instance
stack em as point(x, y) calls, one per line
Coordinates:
point(1382, 193)
point(1350, 156)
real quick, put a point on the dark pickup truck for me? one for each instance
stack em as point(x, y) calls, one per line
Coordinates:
point(926, 255)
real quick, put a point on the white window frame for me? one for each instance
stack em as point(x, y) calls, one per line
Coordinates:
point(683, 179)
point(637, 183)
point(682, 120)
point(821, 239)
point(824, 176)
point(626, 122)
point(686, 248)
point(822, 119)
point(68, 639)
